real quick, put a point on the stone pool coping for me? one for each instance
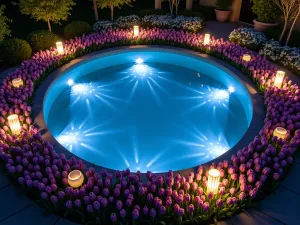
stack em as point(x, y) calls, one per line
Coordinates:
point(256, 124)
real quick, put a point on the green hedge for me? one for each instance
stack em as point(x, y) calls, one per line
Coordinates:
point(14, 51)
point(42, 40)
point(76, 29)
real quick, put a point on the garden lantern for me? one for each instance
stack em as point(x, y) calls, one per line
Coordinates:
point(207, 39)
point(136, 31)
point(280, 132)
point(60, 48)
point(247, 57)
point(14, 123)
point(17, 82)
point(213, 181)
point(75, 178)
point(279, 78)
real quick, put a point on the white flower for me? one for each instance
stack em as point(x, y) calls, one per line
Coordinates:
point(247, 37)
point(103, 25)
point(128, 21)
point(193, 24)
point(287, 56)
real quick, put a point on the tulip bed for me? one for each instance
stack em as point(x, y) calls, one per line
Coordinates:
point(123, 197)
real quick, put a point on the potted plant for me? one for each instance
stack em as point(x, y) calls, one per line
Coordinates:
point(267, 13)
point(223, 9)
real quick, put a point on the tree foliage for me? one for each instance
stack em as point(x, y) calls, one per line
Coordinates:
point(4, 21)
point(47, 10)
point(111, 4)
point(266, 10)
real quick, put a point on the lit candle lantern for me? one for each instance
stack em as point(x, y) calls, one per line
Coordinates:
point(60, 48)
point(207, 39)
point(75, 178)
point(280, 132)
point(14, 123)
point(279, 78)
point(247, 58)
point(213, 181)
point(18, 82)
point(136, 31)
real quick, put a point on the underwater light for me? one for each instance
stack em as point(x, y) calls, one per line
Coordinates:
point(139, 61)
point(68, 138)
point(231, 89)
point(70, 82)
point(221, 94)
point(81, 89)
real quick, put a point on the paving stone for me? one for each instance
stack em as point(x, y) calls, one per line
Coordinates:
point(292, 180)
point(283, 205)
point(33, 215)
point(63, 221)
point(12, 201)
point(253, 217)
point(297, 158)
point(4, 181)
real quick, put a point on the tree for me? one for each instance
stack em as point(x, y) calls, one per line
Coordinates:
point(111, 4)
point(172, 4)
point(47, 10)
point(295, 17)
point(288, 8)
point(176, 4)
point(4, 28)
point(95, 10)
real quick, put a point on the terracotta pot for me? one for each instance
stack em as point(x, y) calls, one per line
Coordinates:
point(222, 16)
point(260, 26)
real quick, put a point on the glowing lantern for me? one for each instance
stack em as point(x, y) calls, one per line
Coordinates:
point(207, 39)
point(17, 82)
point(247, 58)
point(60, 48)
point(280, 132)
point(75, 178)
point(213, 181)
point(136, 31)
point(14, 123)
point(279, 78)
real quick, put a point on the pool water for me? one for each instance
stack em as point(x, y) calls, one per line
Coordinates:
point(147, 110)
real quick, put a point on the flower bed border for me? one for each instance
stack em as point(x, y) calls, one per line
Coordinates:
point(28, 158)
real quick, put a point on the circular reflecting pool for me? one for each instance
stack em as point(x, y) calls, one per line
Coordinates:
point(147, 109)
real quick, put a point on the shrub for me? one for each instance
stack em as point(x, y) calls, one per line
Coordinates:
point(42, 40)
point(248, 37)
point(103, 25)
point(192, 24)
point(223, 5)
point(76, 29)
point(14, 51)
point(128, 21)
point(287, 56)
point(266, 10)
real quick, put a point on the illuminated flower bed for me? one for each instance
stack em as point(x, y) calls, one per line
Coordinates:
point(124, 197)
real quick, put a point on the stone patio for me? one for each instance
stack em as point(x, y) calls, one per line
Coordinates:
point(281, 207)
